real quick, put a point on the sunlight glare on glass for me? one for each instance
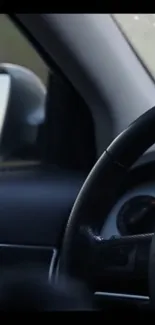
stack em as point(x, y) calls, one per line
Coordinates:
point(136, 17)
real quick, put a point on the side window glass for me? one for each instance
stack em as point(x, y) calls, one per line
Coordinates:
point(24, 115)
point(15, 48)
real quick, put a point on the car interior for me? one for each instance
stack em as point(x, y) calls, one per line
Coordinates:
point(77, 184)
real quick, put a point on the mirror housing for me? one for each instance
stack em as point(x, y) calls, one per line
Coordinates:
point(22, 108)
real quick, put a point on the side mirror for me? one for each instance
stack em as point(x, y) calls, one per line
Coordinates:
point(22, 108)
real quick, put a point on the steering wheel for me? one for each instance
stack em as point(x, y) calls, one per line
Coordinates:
point(85, 254)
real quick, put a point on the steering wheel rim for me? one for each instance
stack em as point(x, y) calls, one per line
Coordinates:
point(102, 184)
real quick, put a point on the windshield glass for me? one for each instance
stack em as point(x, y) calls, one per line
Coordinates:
point(139, 29)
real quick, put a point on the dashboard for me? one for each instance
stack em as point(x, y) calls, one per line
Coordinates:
point(134, 212)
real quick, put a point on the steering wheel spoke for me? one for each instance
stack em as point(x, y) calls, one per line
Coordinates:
point(122, 263)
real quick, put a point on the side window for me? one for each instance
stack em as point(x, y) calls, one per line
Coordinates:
point(24, 115)
point(59, 139)
point(15, 48)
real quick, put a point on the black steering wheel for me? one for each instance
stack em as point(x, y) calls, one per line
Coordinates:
point(85, 254)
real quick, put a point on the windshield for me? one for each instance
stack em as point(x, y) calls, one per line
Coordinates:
point(139, 29)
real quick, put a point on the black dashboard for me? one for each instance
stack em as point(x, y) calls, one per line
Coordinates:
point(31, 213)
point(35, 203)
point(31, 216)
